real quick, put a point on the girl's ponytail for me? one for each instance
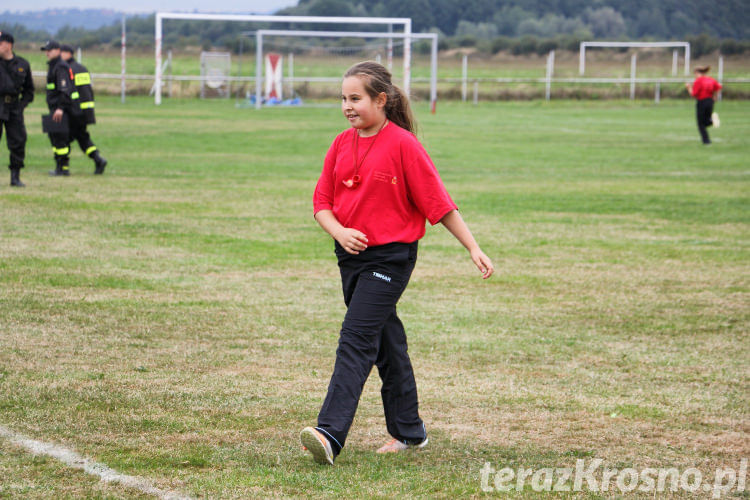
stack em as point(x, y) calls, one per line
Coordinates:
point(377, 79)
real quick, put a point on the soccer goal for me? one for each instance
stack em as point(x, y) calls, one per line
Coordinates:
point(389, 22)
point(677, 45)
point(360, 46)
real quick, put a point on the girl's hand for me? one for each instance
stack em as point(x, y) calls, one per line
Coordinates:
point(483, 263)
point(351, 240)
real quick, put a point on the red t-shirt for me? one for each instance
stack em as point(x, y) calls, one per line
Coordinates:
point(399, 188)
point(704, 87)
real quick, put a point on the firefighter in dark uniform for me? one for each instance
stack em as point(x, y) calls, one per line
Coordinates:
point(16, 92)
point(78, 132)
point(62, 101)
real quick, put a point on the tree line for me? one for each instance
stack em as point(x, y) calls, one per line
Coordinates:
point(610, 19)
point(491, 26)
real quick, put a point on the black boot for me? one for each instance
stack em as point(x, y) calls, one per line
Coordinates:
point(61, 169)
point(99, 161)
point(15, 178)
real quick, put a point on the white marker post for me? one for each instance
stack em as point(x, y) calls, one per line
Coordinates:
point(464, 76)
point(550, 70)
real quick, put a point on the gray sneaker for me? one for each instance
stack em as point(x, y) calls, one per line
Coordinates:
point(317, 444)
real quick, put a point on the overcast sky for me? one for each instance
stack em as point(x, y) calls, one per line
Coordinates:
point(246, 6)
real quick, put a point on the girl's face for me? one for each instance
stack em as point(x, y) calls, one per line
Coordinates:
point(362, 111)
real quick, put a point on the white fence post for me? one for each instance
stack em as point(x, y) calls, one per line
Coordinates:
point(464, 76)
point(476, 92)
point(632, 76)
point(674, 62)
point(720, 74)
point(157, 59)
point(657, 92)
point(550, 70)
point(433, 74)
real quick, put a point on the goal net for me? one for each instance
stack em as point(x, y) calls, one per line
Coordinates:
point(352, 48)
point(309, 68)
point(215, 70)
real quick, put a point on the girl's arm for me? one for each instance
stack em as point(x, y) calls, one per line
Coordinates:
point(458, 228)
point(350, 239)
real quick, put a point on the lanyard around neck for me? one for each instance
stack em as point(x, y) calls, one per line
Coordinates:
point(355, 180)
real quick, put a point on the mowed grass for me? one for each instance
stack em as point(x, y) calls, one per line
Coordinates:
point(177, 318)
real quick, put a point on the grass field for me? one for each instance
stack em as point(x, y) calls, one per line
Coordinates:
point(176, 318)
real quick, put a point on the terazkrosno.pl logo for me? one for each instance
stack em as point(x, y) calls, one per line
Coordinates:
point(593, 477)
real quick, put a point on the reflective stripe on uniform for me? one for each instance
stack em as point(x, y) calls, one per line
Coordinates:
point(83, 79)
point(61, 151)
point(50, 86)
point(87, 105)
point(90, 150)
point(75, 95)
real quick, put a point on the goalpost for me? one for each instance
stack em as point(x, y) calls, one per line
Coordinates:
point(584, 45)
point(355, 34)
point(388, 21)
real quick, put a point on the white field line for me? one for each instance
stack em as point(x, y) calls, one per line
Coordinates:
point(73, 459)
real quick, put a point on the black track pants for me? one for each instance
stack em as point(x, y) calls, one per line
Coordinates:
point(15, 131)
point(703, 110)
point(372, 334)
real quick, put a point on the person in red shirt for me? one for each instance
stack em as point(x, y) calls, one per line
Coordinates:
point(377, 188)
point(704, 89)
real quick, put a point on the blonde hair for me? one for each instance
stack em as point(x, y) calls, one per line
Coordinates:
point(376, 79)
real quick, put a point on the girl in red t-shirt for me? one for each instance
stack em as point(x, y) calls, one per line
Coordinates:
point(704, 89)
point(377, 187)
